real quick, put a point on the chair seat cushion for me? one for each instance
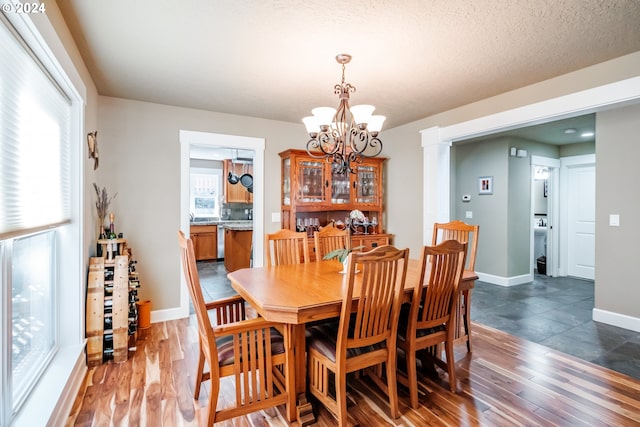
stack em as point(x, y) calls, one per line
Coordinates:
point(404, 324)
point(322, 337)
point(226, 355)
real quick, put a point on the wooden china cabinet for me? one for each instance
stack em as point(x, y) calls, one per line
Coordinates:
point(312, 191)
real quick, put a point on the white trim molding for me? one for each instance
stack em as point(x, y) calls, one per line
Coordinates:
point(437, 176)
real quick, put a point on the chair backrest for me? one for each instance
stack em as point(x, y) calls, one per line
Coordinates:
point(435, 300)
point(329, 239)
point(463, 233)
point(247, 352)
point(205, 330)
point(377, 278)
point(286, 247)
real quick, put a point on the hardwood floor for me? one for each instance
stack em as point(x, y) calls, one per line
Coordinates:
point(506, 381)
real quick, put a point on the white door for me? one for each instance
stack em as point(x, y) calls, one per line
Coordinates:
point(581, 217)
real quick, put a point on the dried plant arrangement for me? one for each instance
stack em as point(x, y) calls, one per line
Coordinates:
point(103, 202)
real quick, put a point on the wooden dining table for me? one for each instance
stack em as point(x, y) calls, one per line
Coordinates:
point(297, 294)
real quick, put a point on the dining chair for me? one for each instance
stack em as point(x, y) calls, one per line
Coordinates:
point(250, 350)
point(286, 247)
point(463, 233)
point(429, 319)
point(329, 239)
point(365, 334)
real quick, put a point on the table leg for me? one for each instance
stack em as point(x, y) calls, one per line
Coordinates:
point(298, 339)
point(463, 315)
point(467, 317)
point(304, 411)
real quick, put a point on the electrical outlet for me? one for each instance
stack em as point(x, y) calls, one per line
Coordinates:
point(469, 214)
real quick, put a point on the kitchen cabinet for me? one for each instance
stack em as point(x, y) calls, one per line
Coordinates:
point(205, 241)
point(311, 190)
point(237, 247)
point(237, 193)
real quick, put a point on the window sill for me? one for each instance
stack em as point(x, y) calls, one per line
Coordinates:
point(51, 400)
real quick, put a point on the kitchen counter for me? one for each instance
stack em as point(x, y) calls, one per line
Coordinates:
point(223, 222)
point(238, 227)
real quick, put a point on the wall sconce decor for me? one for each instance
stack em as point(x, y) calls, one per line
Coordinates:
point(92, 142)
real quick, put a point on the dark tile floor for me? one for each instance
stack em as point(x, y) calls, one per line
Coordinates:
point(213, 280)
point(555, 312)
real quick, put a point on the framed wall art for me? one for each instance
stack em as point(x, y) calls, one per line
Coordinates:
point(485, 185)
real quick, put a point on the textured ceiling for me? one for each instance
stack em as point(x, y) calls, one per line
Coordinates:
point(275, 59)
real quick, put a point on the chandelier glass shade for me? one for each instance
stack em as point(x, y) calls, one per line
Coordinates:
point(346, 135)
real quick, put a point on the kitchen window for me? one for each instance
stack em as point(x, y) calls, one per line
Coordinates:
point(206, 192)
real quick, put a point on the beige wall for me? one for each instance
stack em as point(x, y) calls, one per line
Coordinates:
point(617, 178)
point(403, 188)
point(140, 157)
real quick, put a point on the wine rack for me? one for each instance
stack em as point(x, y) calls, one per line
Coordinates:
point(111, 311)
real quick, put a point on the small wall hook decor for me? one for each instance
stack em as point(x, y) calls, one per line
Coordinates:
point(92, 142)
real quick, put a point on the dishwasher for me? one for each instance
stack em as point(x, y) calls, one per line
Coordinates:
point(220, 241)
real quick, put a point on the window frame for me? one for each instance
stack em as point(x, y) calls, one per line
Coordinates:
point(50, 400)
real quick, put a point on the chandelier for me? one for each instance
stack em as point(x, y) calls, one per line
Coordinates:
point(344, 136)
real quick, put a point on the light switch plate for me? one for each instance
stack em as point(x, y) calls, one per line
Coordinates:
point(614, 220)
point(469, 214)
point(275, 216)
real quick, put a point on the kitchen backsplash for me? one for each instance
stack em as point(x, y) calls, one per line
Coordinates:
point(237, 211)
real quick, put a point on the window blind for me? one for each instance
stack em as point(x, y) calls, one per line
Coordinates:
point(35, 122)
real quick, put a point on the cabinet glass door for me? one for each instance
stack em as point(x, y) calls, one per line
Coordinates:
point(286, 182)
point(312, 182)
point(366, 185)
point(340, 188)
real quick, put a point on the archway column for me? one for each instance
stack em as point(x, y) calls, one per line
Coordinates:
point(437, 180)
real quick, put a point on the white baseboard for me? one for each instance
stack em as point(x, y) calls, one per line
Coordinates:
point(616, 319)
point(169, 314)
point(505, 281)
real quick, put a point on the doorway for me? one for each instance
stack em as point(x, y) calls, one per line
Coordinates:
point(578, 220)
point(189, 139)
point(544, 215)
